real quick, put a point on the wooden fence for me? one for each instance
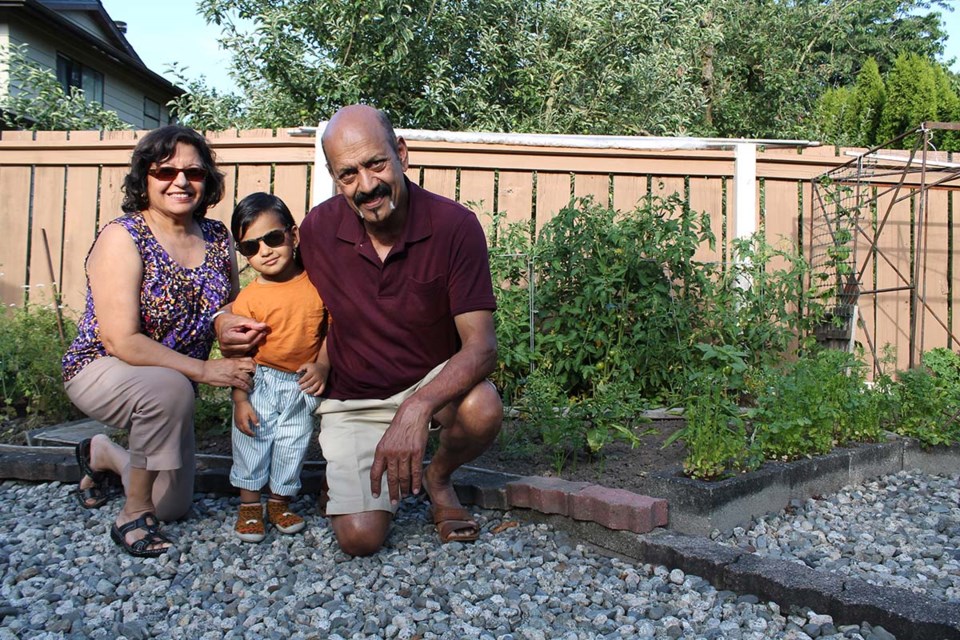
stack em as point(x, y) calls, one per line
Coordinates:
point(68, 185)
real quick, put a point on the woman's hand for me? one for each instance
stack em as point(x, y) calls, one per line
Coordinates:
point(229, 372)
point(313, 378)
point(245, 417)
point(238, 335)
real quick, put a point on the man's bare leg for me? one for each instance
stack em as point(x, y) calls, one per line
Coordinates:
point(469, 428)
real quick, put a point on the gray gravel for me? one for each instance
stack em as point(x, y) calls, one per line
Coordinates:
point(901, 530)
point(62, 577)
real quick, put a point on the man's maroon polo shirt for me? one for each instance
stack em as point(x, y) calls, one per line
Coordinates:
point(393, 322)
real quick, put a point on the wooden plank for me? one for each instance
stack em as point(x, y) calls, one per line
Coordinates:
point(79, 230)
point(934, 285)
point(553, 194)
point(781, 217)
point(47, 215)
point(441, 181)
point(111, 193)
point(706, 195)
point(252, 178)
point(664, 186)
point(515, 195)
point(592, 185)
point(476, 190)
point(290, 185)
point(893, 308)
point(628, 191)
point(15, 205)
point(224, 209)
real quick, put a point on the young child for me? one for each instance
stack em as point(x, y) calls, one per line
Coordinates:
point(273, 424)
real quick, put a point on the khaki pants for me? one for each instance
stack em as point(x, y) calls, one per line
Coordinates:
point(155, 404)
point(349, 433)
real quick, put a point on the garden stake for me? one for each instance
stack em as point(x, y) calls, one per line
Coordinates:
point(56, 292)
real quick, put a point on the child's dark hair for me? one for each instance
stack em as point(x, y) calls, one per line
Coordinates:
point(255, 204)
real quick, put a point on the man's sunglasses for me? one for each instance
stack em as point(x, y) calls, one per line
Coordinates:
point(169, 174)
point(251, 247)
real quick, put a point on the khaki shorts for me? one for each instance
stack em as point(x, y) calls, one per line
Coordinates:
point(350, 431)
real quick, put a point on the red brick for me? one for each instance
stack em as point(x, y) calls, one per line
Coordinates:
point(546, 495)
point(618, 509)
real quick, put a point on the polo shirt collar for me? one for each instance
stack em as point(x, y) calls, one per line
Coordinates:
point(417, 228)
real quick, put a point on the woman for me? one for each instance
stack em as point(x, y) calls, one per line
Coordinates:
point(155, 278)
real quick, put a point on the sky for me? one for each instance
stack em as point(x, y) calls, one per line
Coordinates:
point(170, 31)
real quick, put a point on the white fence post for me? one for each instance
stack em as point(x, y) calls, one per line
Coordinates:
point(745, 189)
point(323, 184)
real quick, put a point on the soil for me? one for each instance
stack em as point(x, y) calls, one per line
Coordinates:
point(618, 465)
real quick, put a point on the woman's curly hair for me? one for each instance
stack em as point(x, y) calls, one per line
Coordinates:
point(158, 146)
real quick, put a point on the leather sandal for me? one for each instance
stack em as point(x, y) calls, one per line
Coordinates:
point(104, 487)
point(142, 548)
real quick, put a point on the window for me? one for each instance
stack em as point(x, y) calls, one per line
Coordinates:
point(71, 73)
point(151, 114)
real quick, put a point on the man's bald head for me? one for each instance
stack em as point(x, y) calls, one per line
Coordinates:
point(358, 117)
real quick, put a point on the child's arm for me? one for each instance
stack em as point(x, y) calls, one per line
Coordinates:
point(313, 375)
point(244, 415)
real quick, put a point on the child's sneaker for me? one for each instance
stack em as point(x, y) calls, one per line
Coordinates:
point(250, 526)
point(280, 516)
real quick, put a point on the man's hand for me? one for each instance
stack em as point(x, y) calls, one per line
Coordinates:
point(245, 418)
point(313, 378)
point(401, 450)
point(239, 335)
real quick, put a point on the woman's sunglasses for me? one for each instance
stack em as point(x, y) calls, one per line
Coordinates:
point(275, 238)
point(169, 174)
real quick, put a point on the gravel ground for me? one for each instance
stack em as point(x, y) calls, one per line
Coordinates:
point(901, 530)
point(62, 577)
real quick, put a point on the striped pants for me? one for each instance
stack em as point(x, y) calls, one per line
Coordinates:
point(279, 446)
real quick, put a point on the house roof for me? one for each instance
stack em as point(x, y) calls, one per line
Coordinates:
point(45, 15)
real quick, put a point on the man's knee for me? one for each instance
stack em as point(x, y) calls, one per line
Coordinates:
point(481, 408)
point(361, 534)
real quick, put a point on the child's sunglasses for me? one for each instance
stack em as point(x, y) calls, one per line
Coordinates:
point(275, 238)
point(169, 174)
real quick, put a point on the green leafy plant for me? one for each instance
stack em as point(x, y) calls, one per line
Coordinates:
point(31, 384)
point(809, 406)
point(927, 400)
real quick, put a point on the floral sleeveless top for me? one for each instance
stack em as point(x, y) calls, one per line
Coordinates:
point(175, 302)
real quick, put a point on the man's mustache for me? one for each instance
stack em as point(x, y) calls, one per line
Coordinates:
point(381, 191)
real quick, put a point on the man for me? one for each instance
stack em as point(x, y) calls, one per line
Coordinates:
point(406, 278)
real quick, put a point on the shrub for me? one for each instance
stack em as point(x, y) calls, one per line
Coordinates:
point(30, 372)
point(809, 406)
point(927, 399)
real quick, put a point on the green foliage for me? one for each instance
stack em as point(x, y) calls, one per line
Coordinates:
point(809, 406)
point(581, 66)
point(759, 304)
point(927, 399)
point(912, 96)
point(616, 294)
point(570, 427)
point(777, 57)
point(213, 413)
point(35, 99)
point(204, 108)
point(30, 352)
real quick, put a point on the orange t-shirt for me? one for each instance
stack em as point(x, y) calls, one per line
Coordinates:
point(294, 312)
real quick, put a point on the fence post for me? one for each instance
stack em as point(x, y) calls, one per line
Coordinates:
point(323, 185)
point(745, 189)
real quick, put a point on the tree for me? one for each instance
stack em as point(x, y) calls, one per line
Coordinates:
point(203, 107)
point(912, 96)
point(36, 100)
point(712, 67)
point(777, 57)
point(869, 95)
point(581, 66)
